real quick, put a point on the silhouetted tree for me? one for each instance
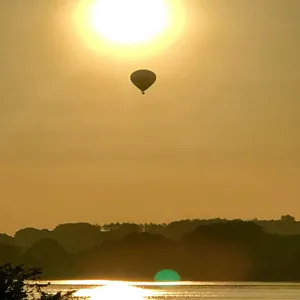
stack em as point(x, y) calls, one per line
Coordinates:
point(6, 239)
point(14, 284)
point(175, 230)
point(212, 249)
point(153, 228)
point(287, 219)
point(75, 237)
point(12, 281)
point(9, 254)
point(48, 255)
point(28, 236)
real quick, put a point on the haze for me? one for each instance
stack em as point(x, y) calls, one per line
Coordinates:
point(216, 136)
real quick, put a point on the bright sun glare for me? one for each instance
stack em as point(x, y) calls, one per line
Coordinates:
point(127, 27)
point(129, 21)
point(115, 291)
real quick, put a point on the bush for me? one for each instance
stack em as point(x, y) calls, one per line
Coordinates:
point(14, 284)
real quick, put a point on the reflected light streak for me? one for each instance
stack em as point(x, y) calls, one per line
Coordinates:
point(115, 291)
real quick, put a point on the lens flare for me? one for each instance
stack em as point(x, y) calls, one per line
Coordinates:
point(167, 275)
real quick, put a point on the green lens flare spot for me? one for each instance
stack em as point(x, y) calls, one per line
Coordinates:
point(167, 275)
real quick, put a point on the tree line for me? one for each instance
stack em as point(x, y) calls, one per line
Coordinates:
point(91, 234)
point(231, 250)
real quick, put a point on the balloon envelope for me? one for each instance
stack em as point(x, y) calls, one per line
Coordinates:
point(143, 79)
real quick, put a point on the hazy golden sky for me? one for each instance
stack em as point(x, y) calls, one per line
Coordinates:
point(217, 135)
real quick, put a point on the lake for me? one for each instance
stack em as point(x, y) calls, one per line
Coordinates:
point(110, 290)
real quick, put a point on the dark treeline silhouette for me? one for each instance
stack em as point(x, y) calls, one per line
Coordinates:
point(19, 283)
point(214, 249)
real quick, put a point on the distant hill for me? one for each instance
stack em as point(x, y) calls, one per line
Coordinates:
point(75, 237)
point(217, 249)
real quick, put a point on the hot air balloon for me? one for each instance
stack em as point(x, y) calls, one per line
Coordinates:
point(143, 79)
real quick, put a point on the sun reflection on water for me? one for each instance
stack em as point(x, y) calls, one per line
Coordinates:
point(129, 290)
point(115, 291)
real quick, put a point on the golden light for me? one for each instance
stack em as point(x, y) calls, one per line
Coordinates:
point(127, 26)
point(129, 21)
point(115, 291)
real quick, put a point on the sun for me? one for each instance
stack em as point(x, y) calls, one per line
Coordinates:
point(124, 28)
point(129, 21)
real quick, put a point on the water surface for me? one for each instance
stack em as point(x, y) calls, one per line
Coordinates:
point(183, 290)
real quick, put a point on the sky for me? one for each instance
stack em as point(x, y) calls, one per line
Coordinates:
point(216, 136)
